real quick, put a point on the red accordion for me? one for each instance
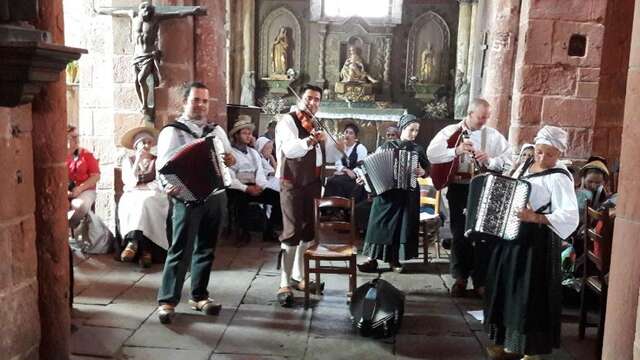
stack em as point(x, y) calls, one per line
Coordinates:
point(198, 169)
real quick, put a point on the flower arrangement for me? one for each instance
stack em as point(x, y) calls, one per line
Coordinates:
point(436, 109)
point(271, 104)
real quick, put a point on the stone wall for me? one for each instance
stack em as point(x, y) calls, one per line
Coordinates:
point(551, 87)
point(18, 268)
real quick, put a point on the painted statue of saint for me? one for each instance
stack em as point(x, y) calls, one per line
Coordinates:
point(353, 70)
point(428, 65)
point(280, 52)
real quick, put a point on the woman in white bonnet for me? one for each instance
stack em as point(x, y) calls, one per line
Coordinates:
point(523, 298)
point(143, 207)
point(265, 149)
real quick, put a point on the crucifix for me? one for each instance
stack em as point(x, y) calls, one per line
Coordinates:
point(484, 46)
point(145, 23)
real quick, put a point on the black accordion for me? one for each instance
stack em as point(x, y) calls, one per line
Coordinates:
point(198, 169)
point(493, 205)
point(389, 169)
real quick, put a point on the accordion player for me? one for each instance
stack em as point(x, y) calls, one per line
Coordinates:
point(198, 184)
point(389, 169)
point(493, 205)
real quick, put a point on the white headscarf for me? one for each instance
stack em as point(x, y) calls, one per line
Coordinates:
point(553, 136)
point(261, 142)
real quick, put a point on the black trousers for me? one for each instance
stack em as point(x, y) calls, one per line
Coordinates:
point(469, 255)
point(240, 202)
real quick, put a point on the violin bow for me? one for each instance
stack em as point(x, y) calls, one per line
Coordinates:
point(319, 124)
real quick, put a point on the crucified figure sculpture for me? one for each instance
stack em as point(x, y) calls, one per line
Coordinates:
point(145, 23)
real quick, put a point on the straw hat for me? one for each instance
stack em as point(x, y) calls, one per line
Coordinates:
point(243, 122)
point(129, 138)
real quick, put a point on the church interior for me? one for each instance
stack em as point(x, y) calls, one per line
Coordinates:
point(94, 70)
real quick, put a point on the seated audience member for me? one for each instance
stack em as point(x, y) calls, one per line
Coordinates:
point(249, 183)
point(594, 175)
point(84, 173)
point(343, 182)
point(392, 133)
point(143, 207)
point(526, 153)
point(264, 146)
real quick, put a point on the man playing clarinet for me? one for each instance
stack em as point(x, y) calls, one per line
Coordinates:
point(299, 159)
point(457, 153)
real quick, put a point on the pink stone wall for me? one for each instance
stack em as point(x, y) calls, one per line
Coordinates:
point(551, 87)
point(622, 303)
point(19, 314)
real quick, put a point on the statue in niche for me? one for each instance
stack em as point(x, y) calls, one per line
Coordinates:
point(428, 65)
point(353, 70)
point(146, 21)
point(461, 101)
point(280, 52)
point(248, 83)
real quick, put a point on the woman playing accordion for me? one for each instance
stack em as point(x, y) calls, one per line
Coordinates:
point(522, 301)
point(392, 233)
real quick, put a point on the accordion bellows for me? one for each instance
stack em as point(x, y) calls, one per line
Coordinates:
point(390, 169)
point(198, 169)
point(493, 205)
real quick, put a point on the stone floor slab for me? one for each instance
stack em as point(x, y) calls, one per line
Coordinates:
point(263, 290)
point(438, 348)
point(139, 353)
point(98, 341)
point(347, 349)
point(246, 357)
point(267, 330)
point(123, 316)
point(190, 330)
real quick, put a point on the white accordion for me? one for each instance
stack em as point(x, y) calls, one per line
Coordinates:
point(493, 205)
point(389, 169)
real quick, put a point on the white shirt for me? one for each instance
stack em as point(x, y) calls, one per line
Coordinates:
point(361, 150)
point(496, 146)
point(557, 189)
point(171, 140)
point(289, 145)
point(247, 169)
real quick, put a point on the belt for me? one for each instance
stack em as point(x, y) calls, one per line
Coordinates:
point(461, 178)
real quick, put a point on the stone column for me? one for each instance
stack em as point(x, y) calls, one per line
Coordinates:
point(210, 57)
point(472, 40)
point(462, 58)
point(498, 73)
point(464, 30)
point(50, 174)
point(622, 302)
point(321, 42)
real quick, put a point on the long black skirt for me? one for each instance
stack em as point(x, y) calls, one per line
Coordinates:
point(523, 295)
point(392, 232)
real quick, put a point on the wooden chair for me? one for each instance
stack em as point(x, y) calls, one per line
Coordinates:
point(595, 275)
point(335, 241)
point(430, 222)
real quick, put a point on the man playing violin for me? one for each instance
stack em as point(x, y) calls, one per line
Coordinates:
point(299, 159)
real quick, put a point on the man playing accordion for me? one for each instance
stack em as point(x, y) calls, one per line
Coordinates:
point(457, 153)
point(194, 226)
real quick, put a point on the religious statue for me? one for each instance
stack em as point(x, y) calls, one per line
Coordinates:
point(248, 83)
point(353, 70)
point(144, 32)
point(280, 52)
point(461, 100)
point(428, 65)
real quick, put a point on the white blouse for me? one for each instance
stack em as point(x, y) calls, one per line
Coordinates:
point(361, 150)
point(563, 215)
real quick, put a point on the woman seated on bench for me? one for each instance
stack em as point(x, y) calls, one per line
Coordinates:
point(143, 207)
point(343, 182)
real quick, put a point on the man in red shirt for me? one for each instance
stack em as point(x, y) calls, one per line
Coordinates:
point(84, 173)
